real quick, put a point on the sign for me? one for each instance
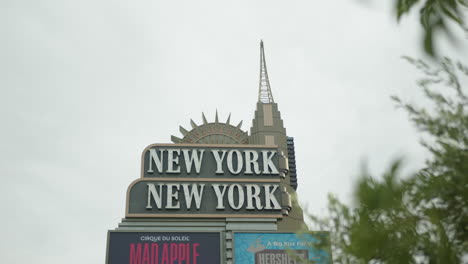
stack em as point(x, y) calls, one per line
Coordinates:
point(280, 256)
point(210, 161)
point(163, 248)
point(196, 180)
point(203, 198)
point(281, 248)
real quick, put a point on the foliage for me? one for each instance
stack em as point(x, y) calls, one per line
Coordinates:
point(421, 218)
point(435, 16)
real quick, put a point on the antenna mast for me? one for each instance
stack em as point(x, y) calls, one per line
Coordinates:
point(264, 91)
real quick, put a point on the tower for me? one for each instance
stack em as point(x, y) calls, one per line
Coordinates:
point(268, 129)
point(267, 125)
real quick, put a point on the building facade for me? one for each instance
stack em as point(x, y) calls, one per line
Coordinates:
point(216, 185)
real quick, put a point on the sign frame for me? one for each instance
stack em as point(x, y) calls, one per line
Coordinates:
point(276, 180)
point(216, 146)
point(279, 213)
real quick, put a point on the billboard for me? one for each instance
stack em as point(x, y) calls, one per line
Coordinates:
point(209, 181)
point(203, 198)
point(163, 248)
point(281, 248)
point(210, 161)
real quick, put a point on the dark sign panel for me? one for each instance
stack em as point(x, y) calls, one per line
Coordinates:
point(282, 248)
point(197, 180)
point(204, 198)
point(210, 161)
point(163, 248)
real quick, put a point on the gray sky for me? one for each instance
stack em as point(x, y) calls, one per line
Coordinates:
point(87, 85)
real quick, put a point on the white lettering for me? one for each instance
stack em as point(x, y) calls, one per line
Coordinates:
point(219, 160)
point(268, 165)
point(156, 196)
point(230, 164)
point(172, 196)
point(251, 158)
point(240, 192)
point(248, 196)
point(153, 157)
point(219, 194)
point(270, 197)
point(253, 195)
point(191, 194)
point(189, 160)
point(173, 161)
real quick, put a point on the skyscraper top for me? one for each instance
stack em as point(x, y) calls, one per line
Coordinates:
point(264, 91)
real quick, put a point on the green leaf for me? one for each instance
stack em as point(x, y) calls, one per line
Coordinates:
point(451, 15)
point(404, 6)
point(428, 42)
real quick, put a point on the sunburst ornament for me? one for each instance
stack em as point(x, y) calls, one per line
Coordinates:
point(212, 133)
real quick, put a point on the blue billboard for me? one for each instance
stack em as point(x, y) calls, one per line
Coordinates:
point(281, 248)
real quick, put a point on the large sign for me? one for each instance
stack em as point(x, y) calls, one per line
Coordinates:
point(281, 248)
point(196, 180)
point(203, 199)
point(163, 248)
point(210, 161)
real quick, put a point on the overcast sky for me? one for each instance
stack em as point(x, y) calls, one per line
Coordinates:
point(87, 85)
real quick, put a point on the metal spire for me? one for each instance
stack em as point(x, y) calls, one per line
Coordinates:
point(264, 91)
